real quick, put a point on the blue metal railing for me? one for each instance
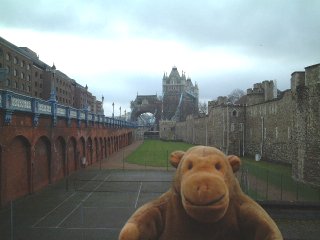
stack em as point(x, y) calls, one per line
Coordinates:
point(12, 102)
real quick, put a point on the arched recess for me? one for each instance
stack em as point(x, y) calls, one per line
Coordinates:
point(117, 143)
point(105, 147)
point(72, 155)
point(16, 169)
point(89, 150)
point(59, 163)
point(96, 150)
point(41, 164)
point(1, 179)
point(101, 146)
point(82, 148)
point(109, 146)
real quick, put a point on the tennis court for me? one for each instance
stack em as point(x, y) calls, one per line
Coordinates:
point(92, 204)
point(95, 204)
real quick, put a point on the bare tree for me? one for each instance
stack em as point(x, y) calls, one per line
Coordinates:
point(203, 108)
point(235, 95)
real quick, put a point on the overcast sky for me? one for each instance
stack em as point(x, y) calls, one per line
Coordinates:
point(122, 47)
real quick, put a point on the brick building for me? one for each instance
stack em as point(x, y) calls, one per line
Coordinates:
point(27, 74)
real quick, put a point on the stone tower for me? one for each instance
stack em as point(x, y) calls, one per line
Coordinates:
point(180, 96)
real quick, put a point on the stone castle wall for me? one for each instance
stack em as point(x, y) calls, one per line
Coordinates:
point(283, 128)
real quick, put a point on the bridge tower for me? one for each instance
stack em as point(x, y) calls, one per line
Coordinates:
point(180, 96)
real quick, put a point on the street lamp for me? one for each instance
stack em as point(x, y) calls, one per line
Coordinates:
point(53, 91)
point(113, 110)
point(102, 110)
point(86, 106)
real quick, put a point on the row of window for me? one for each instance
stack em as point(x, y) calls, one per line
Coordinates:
point(16, 85)
point(17, 61)
point(63, 83)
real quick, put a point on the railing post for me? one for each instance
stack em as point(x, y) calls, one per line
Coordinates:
point(167, 159)
point(281, 181)
point(267, 184)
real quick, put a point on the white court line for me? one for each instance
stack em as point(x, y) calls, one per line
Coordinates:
point(81, 202)
point(46, 215)
point(80, 228)
point(137, 199)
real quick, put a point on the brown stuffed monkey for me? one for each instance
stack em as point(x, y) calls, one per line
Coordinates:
point(204, 202)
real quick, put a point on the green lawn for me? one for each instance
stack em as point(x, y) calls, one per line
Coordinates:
point(155, 152)
point(279, 176)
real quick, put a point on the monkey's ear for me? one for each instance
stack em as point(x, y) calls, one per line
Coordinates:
point(235, 162)
point(175, 158)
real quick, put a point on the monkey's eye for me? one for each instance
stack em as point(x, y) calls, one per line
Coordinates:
point(218, 166)
point(190, 165)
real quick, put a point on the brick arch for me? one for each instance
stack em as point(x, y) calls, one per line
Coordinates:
point(41, 163)
point(96, 150)
point(59, 164)
point(109, 146)
point(105, 144)
point(89, 150)
point(101, 147)
point(16, 169)
point(72, 155)
point(1, 174)
point(82, 147)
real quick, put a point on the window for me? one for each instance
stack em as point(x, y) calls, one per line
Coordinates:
point(28, 67)
point(8, 57)
point(15, 73)
point(36, 74)
point(8, 82)
point(29, 89)
point(15, 84)
point(22, 75)
point(15, 60)
point(234, 113)
point(35, 84)
point(22, 64)
point(232, 127)
point(28, 77)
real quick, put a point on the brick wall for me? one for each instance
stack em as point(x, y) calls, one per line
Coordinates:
point(32, 157)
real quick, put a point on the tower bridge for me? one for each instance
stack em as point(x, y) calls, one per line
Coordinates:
point(179, 99)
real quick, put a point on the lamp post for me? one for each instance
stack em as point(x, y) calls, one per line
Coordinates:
point(102, 111)
point(113, 110)
point(53, 91)
point(86, 107)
